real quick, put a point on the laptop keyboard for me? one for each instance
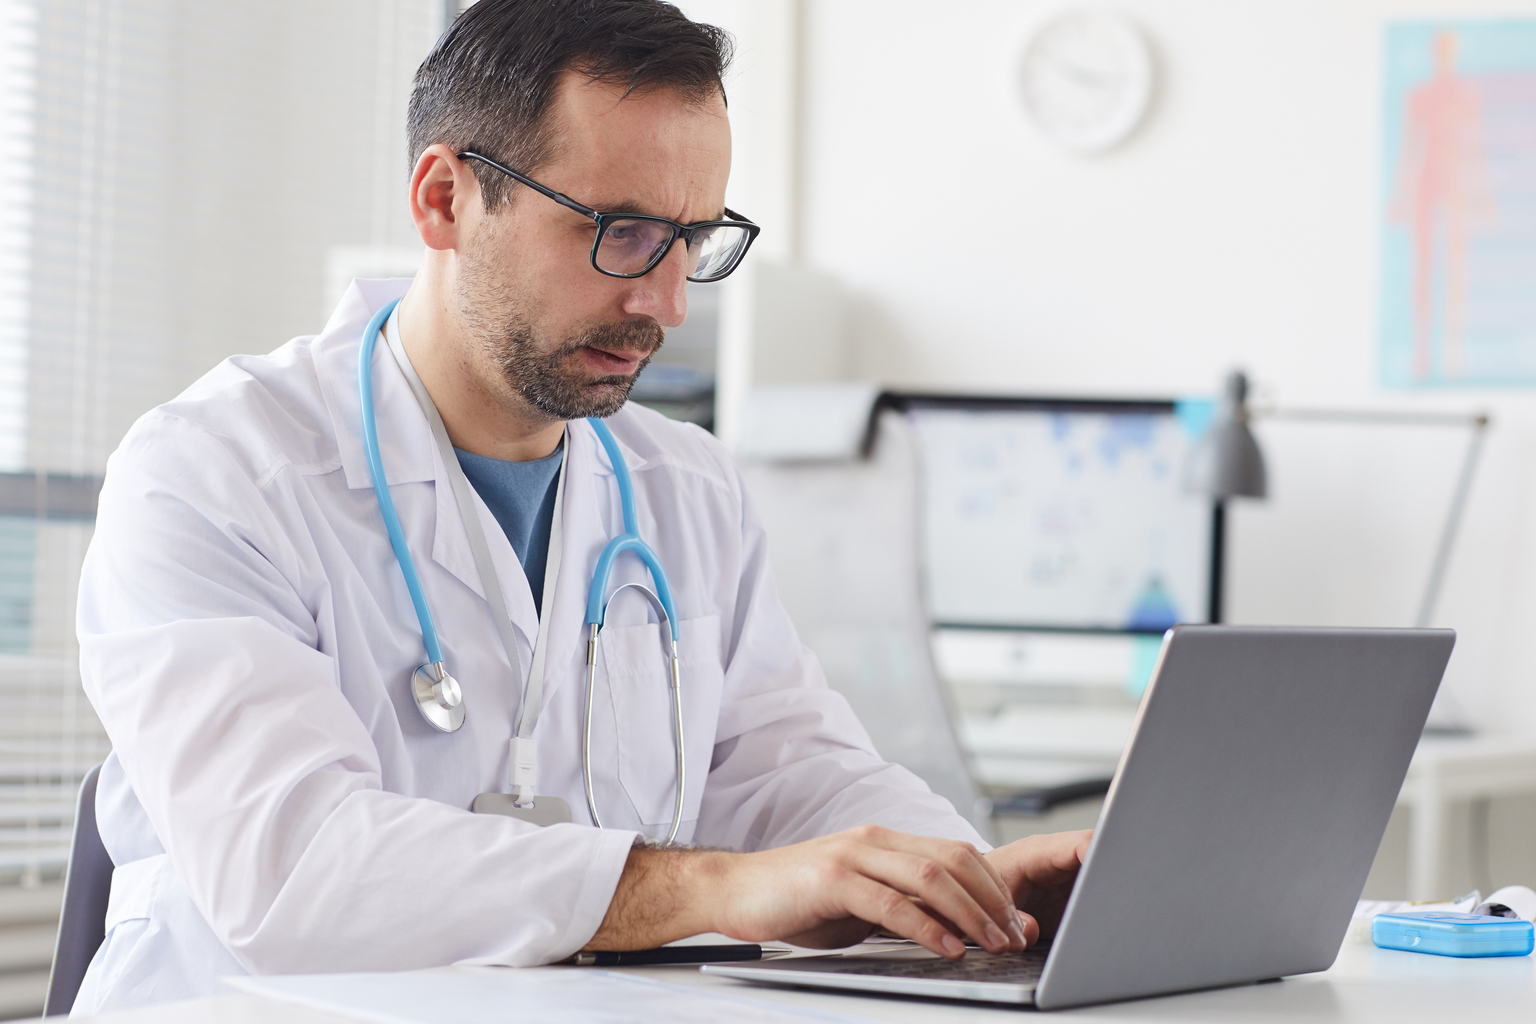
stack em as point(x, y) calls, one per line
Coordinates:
point(1018, 968)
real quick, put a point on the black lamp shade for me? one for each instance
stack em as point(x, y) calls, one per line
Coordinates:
point(1226, 462)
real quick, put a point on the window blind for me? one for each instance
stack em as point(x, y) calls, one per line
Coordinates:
point(18, 47)
point(173, 175)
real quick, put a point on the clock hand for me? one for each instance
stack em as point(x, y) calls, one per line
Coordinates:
point(1084, 77)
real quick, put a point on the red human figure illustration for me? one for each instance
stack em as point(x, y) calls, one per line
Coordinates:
point(1439, 194)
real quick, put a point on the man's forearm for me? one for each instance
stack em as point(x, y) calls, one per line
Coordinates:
point(825, 892)
point(663, 895)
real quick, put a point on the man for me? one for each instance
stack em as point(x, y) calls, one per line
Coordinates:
point(275, 802)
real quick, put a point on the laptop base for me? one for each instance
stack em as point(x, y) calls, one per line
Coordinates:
point(908, 971)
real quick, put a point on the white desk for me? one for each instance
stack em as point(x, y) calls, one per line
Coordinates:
point(1365, 985)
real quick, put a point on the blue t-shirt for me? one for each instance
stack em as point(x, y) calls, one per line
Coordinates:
point(521, 496)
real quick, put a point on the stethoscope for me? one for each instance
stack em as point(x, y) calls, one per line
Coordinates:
point(437, 694)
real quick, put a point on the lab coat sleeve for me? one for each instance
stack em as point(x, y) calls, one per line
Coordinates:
point(261, 781)
point(791, 761)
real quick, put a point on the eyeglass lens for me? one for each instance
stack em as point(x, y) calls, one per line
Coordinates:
point(715, 251)
point(629, 246)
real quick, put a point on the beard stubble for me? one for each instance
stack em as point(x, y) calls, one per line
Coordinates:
point(490, 308)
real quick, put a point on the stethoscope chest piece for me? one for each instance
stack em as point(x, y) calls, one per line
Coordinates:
point(438, 697)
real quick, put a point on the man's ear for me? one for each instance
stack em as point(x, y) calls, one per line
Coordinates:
point(443, 190)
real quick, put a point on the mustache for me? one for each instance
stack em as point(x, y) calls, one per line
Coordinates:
point(643, 336)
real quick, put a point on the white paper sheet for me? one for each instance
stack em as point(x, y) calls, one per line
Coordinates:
point(507, 996)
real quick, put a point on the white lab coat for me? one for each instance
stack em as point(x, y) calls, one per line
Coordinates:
point(274, 801)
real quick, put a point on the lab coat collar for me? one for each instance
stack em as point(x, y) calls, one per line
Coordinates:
point(599, 455)
point(405, 440)
point(405, 444)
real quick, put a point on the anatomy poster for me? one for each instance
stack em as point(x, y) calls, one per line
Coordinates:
point(1458, 289)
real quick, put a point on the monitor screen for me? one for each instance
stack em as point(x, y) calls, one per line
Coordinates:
point(1060, 515)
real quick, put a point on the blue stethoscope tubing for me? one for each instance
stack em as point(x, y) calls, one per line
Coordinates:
point(381, 486)
point(437, 693)
point(629, 540)
point(443, 691)
point(597, 609)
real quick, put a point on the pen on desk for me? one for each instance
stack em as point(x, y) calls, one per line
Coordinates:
point(676, 955)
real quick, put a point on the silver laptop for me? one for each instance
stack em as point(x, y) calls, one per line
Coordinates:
point(1238, 833)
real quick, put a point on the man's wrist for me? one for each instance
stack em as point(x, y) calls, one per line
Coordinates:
point(702, 890)
point(664, 895)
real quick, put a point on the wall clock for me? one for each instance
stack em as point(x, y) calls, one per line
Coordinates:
point(1086, 79)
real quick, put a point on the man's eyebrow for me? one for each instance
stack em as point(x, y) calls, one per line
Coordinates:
point(632, 208)
point(627, 206)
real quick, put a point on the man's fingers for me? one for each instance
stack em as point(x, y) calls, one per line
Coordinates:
point(1043, 859)
point(972, 870)
point(963, 859)
point(966, 861)
point(997, 878)
point(938, 887)
point(1031, 928)
point(890, 909)
point(1062, 854)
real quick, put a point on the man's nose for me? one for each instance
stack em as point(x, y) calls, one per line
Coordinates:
point(662, 294)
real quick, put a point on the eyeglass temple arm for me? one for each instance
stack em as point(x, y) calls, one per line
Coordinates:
point(559, 197)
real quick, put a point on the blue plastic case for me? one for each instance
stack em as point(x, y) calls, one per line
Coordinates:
point(1445, 933)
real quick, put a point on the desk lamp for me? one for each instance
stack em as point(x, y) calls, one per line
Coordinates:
point(1227, 463)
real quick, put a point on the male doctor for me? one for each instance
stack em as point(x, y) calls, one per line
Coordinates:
point(276, 801)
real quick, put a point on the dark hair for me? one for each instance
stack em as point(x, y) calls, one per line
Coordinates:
point(489, 82)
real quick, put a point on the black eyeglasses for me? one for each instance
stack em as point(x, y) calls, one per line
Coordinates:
point(631, 244)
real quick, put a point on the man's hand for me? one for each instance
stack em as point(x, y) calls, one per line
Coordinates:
point(826, 892)
point(1039, 872)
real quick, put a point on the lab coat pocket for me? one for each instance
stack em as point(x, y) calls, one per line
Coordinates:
point(637, 665)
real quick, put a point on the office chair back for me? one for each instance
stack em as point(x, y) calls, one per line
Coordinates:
point(83, 921)
point(845, 556)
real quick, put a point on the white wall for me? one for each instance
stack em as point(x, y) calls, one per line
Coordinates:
point(1237, 228)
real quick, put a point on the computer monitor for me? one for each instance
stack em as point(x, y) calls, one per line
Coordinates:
point(1059, 514)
